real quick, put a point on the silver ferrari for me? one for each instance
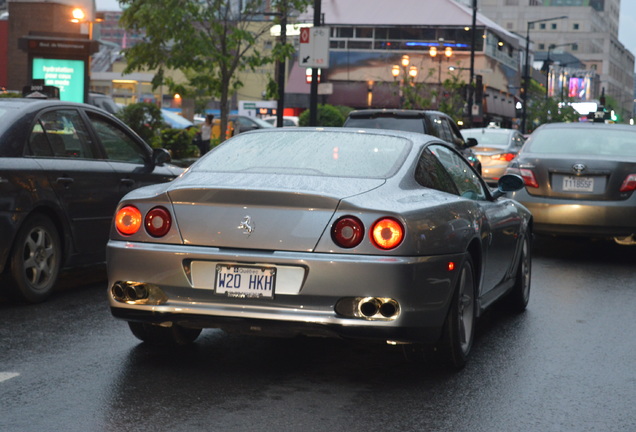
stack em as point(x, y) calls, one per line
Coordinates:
point(365, 234)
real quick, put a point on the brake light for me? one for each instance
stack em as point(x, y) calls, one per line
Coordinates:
point(128, 220)
point(387, 233)
point(629, 184)
point(158, 222)
point(528, 178)
point(347, 232)
point(505, 157)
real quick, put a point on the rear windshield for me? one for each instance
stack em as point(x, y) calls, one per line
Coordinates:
point(486, 138)
point(583, 141)
point(309, 152)
point(401, 124)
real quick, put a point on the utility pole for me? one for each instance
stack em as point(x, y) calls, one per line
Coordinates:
point(471, 89)
point(282, 68)
point(313, 97)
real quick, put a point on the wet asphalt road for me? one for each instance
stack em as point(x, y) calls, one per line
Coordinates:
point(567, 364)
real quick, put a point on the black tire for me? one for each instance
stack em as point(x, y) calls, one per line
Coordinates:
point(174, 335)
point(520, 294)
point(459, 329)
point(35, 260)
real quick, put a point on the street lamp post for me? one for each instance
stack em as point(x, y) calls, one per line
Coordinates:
point(448, 53)
point(526, 73)
point(434, 51)
point(403, 71)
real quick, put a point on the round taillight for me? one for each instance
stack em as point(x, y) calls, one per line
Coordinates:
point(128, 220)
point(347, 232)
point(387, 233)
point(158, 222)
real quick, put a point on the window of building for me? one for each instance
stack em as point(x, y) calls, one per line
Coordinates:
point(575, 26)
point(553, 26)
point(344, 32)
point(542, 26)
point(364, 32)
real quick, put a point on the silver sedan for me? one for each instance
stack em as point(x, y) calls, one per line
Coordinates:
point(580, 180)
point(380, 235)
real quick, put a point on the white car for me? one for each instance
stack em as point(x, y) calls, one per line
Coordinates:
point(288, 121)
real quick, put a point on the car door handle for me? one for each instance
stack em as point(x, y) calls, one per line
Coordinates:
point(65, 181)
point(127, 182)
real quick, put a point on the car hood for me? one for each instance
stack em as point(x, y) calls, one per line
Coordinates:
point(258, 211)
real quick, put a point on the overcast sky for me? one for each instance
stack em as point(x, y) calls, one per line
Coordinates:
point(626, 32)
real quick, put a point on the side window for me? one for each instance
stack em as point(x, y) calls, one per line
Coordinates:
point(436, 127)
point(61, 134)
point(118, 145)
point(464, 178)
point(518, 140)
point(431, 174)
point(458, 139)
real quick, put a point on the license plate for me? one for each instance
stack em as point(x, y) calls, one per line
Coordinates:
point(578, 184)
point(245, 281)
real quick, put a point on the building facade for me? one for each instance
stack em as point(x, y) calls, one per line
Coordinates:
point(369, 38)
point(589, 32)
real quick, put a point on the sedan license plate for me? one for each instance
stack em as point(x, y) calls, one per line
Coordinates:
point(245, 281)
point(578, 184)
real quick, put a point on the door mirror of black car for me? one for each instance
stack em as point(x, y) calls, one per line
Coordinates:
point(160, 156)
point(508, 183)
point(471, 142)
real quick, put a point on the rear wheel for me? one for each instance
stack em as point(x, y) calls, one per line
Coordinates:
point(174, 335)
point(459, 329)
point(520, 293)
point(35, 259)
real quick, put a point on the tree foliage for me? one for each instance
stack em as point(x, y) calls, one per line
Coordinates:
point(542, 109)
point(328, 115)
point(209, 41)
point(144, 118)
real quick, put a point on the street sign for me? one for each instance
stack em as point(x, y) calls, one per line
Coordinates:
point(314, 47)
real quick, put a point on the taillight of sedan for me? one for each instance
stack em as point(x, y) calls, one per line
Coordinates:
point(526, 174)
point(157, 221)
point(504, 157)
point(629, 184)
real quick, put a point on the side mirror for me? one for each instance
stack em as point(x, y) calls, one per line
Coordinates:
point(508, 183)
point(160, 156)
point(471, 142)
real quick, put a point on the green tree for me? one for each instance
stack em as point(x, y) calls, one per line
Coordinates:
point(415, 95)
point(328, 115)
point(209, 41)
point(542, 109)
point(145, 119)
point(451, 100)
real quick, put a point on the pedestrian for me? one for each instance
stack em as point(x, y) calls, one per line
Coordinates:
point(206, 134)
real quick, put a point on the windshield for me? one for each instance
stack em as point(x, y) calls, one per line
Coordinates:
point(320, 153)
point(262, 123)
point(486, 138)
point(402, 124)
point(175, 120)
point(584, 141)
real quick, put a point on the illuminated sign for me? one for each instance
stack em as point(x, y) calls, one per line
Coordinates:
point(67, 75)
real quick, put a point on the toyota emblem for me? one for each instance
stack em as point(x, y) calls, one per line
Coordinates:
point(579, 168)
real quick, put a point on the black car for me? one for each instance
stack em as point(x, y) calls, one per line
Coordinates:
point(63, 168)
point(430, 122)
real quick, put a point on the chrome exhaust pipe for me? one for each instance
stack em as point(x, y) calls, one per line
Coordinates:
point(389, 308)
point(136, 292)
point(118, 292)
point(369, 306)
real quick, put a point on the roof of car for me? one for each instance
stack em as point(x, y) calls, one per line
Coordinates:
point(35, 103)
point(590, 124)
point(366, 113)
